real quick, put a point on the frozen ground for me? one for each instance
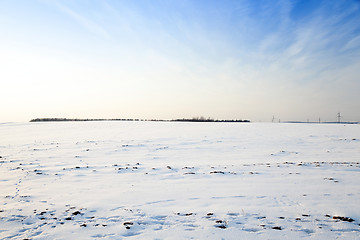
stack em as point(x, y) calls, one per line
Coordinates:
point(172, 180)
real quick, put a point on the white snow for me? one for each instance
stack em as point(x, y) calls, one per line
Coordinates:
point(177, 180)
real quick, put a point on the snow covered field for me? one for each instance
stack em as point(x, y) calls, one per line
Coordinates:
point(173, 180)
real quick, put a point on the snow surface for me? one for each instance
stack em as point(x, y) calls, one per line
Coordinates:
point(176, 180)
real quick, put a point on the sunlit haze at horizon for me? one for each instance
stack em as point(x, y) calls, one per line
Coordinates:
point(243, 59)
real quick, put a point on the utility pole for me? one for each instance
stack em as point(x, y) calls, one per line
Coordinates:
point(339, 117)
point(273, 119)
point(319, 120)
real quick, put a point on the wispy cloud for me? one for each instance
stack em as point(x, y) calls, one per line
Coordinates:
point(315, 43)
point(85, 22)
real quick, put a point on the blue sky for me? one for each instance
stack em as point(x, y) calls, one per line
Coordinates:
point(295, 60)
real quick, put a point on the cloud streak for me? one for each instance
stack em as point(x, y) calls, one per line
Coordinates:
point(85, 22)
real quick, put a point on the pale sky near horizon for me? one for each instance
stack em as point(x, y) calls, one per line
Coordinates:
point(241, 59)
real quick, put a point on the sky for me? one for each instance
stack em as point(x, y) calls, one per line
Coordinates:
point(241, 59)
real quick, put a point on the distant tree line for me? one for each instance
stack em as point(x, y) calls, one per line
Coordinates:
point(80, 119)
point(203, 119)
point(194, 119)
